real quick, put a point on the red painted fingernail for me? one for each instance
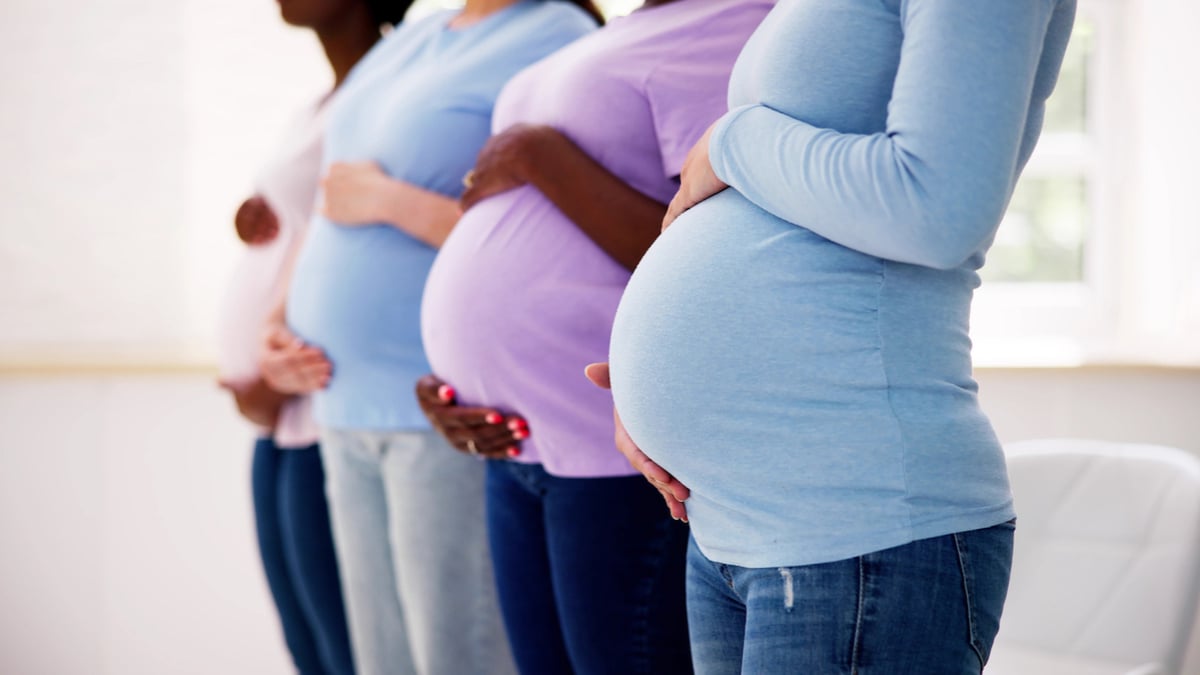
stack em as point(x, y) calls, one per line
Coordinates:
point(520, 434)
point(512, 451)
point(517, 423)
point(494, 418)
point(446, 393)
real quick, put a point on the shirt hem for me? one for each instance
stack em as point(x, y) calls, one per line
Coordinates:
point(800, 553)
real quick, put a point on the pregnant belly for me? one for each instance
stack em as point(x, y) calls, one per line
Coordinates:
point(517, 291)
point(356, 292)
point(740, 332)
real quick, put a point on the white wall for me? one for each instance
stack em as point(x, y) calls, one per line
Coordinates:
point(128, 545)
point(1146, 405)
point(131, 130)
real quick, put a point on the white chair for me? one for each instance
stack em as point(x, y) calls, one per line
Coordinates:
point(1106, 571)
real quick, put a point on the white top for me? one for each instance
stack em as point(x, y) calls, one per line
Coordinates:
point(288, 183)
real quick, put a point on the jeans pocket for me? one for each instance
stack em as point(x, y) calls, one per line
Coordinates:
point(985, 561)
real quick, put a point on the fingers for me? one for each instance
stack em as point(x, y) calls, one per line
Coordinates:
point(480, 431)
point(470, 197)
point(677, 508)
point(279, 337)
point(659, 477)
point(296, 370)
point(599, 375)
point(492, 442)
point(267, 233)
point(255, 222)
point(675, 208)
point(476, 430)
point(485, 186)
point(258, 233)
point(433, 390)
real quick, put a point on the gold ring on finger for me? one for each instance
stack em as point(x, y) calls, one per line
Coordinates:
point(469, 178)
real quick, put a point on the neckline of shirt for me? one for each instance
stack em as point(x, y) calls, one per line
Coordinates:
point(447, 29)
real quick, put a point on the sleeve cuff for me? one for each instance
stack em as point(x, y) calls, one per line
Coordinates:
point(719, 141)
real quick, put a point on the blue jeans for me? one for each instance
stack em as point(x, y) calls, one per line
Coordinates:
point(590, 573)
point(294, 540)
point(408, 519)
point(929, 607)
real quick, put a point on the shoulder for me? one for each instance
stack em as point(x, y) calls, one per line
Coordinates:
point(541, 27)
point(401, 38)
point(559, 15)
point(701, 25)
point(734, 20)
point(750, 9)
point(711, 36)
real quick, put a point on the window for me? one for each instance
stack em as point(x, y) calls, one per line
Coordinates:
point(1093, 262)
point(1044, 233)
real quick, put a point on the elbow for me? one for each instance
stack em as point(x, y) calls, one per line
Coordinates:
point(948, 235)
point(951, 215)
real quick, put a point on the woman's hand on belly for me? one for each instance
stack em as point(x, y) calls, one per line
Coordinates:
point(355, 193)
point(697, 182)
point(475, 430)
point(291, 367)
point(257, 401)
point(255, 222)
point(360, 193)
point(502, 163)
point(673, 492)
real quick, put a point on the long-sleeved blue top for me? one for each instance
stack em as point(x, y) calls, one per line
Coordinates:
point(795, 348)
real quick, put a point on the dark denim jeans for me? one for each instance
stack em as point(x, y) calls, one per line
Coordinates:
point(296, 544)
point(929, 607)
point(590, 573)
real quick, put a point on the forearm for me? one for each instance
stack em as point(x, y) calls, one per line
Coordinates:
point(620, 220)
point(928, 189)
point(259, 403)
point(425, 215)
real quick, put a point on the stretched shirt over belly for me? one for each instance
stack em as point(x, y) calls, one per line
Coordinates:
point(795, 348)
point(520, 300)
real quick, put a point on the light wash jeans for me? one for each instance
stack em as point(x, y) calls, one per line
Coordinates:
point(409, 525)
point(930, 607)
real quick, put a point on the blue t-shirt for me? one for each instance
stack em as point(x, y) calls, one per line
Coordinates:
point(420, 105)
point(795, 349)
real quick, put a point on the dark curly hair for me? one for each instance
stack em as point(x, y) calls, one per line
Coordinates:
point(388, 12)
point(591, 8)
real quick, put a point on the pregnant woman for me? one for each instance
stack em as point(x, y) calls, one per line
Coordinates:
point(564, 201)
point(407, 512)
point(794, 348)
point(290, 512)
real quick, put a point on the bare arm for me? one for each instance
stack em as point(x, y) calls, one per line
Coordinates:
point(257, 401)
point(286, 363)
point(619, 219)
point(360, 193)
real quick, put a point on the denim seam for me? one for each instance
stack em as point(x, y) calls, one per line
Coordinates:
point(971, 633)
point(856, 644)
point(641, 626)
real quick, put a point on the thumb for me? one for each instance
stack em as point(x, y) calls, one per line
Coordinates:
point(279, 337)
point(599, 375)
